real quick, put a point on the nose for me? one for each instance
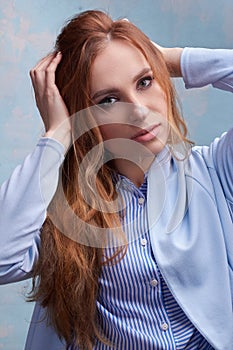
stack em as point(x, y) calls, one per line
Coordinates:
point(137, 109)
point(138, 113)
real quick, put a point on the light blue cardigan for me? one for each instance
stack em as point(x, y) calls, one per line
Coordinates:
point(190, 208)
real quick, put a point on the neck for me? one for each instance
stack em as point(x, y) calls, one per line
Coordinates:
point(134, 172)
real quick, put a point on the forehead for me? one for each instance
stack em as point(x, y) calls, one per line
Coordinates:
point(118, 61)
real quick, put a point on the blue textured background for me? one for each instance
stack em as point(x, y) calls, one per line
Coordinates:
point(27, 32)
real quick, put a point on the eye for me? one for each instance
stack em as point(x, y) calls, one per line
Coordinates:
point(107, 101)
point(144, 83)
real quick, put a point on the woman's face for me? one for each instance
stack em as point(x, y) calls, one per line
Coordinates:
point(132, 104)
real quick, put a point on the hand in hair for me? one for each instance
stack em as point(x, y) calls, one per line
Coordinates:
point(49, 102)
point(172, 57)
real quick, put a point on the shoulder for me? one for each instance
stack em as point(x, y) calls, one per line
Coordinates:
point(211, 166)
point(214, 153)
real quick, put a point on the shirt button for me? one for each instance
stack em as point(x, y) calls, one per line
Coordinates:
point(153, 283)
point(143, 241)
point(164, 326)
point(141, 200)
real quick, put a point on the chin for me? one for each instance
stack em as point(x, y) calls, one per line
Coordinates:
point(157, 146)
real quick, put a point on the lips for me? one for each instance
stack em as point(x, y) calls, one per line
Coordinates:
point(147, 134)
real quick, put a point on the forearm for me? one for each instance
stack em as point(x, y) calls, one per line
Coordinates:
point(172, 57)
point(201, 67)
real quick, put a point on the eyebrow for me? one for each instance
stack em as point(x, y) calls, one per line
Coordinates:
point(113, 90)
point(141, 73)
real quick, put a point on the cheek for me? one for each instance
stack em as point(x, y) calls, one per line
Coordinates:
point(110, 131)
point(159, 100)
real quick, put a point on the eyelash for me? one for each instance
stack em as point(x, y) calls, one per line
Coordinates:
point(150, 78)
point(106, 101)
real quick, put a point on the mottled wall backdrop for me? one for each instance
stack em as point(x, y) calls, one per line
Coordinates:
point(27, 32)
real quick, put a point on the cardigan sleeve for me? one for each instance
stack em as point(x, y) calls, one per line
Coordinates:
point(201, 67)
point(23, 201)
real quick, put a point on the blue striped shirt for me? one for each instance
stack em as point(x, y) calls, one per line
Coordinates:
point(135, 307)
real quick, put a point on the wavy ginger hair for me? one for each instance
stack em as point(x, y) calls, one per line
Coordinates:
point(66, 274)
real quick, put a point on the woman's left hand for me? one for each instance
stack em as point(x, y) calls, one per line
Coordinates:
point(172, 58)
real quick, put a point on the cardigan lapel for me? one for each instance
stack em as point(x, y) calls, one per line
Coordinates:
point(192, 262)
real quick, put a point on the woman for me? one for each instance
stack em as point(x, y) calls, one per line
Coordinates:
point(168, 287)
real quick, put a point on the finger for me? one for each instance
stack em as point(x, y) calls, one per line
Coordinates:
point(38, 73)
point(53, 58)
point(49, 62)
point(160, 48)
point(53, 63)
point(41, 66)
point(51, 68)
point(44, 61)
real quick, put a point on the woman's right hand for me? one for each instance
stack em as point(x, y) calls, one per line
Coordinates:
point(50, 104)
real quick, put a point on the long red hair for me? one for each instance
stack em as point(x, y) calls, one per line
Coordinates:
point(66, 275)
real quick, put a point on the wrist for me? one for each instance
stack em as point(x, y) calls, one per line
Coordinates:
point(61, 135)
point(172, 57)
